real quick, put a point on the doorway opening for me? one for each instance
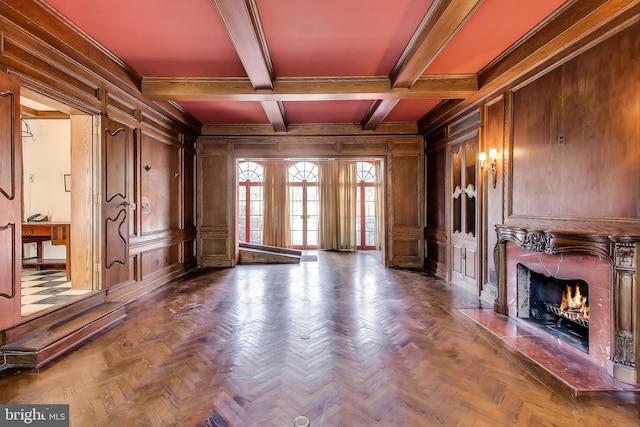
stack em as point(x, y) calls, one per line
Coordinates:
point(57, 213)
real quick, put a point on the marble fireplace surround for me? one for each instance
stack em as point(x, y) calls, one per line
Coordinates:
point(607, 261)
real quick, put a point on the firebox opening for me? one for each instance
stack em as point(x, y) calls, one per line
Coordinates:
point(559, 307)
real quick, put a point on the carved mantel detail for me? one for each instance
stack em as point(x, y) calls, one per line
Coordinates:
point(538, 242)
point(620, 250)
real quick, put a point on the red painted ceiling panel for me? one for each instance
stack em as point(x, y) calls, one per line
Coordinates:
point(326, 111)
point(338, 37)
point(183, 38)
point(493, 27)
point(410, 110)
point(220, 112)
point(305, 39)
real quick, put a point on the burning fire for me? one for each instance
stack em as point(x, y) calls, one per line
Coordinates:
point(574, 302)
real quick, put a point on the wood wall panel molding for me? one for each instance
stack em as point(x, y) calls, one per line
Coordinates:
point(49, 66)
point(306, 89)
point(562, 103)
point(396, 128)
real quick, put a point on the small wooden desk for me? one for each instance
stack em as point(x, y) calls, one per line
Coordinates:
point(37, 232)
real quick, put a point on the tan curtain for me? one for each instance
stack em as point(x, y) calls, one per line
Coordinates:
point(276, 205)
point(379, 206)
point(337, 218)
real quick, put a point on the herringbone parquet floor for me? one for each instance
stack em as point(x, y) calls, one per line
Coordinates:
point(342, 341)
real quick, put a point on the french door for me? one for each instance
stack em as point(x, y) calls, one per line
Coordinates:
point(366, 209)
point(303, 205)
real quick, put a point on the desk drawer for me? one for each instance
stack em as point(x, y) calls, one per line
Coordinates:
point(36, 230)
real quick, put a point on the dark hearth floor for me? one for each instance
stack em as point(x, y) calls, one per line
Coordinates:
point(550, 363)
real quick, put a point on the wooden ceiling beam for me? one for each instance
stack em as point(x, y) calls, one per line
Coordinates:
point(307, 89)
point(243, 25)
point(245, 30)
point(438, 26)
point(276, 115)
point(378, 110)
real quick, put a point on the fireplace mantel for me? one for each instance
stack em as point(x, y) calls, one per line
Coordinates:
point(620, 249)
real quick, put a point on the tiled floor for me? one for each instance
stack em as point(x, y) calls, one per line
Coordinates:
point(46, 288)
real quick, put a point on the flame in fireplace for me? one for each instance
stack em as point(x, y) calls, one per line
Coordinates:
point(574, 302)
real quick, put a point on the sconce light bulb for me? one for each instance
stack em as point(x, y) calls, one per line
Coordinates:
point(482, 156)
point(493, 153)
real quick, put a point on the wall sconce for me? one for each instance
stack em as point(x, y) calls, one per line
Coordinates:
point(493, 153)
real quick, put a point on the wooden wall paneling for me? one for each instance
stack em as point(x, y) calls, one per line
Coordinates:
point(52, 59)
point(491, 199)
point(309, 145)
point(10, 201)
point(435, 202)
point(160, 193)
point(45, 64)
point(216, 227)
point(592, 102)
point(326, 129)
point(405, 200)
point(155, 260)
point(189, 183)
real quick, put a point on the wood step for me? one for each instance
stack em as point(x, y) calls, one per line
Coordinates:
point(45, 318)
point(41, 347)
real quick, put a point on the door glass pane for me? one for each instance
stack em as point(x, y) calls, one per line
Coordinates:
point(359, 218)
point(470, 166)
point(457, 214)
point(242, 210)
point(470, 217)
point(295, 209)
point(456, 168)
point(312, 215)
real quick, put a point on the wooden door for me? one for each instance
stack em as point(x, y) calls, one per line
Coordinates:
point(463, 223)
point(10, 201)
point(117, 204)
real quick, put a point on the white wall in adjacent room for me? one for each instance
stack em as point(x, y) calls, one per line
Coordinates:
point(47, 158)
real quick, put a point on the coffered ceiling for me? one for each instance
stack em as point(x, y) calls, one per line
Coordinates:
point(282, 63)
